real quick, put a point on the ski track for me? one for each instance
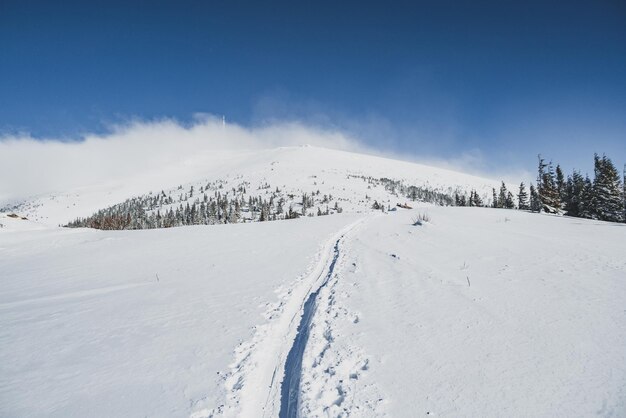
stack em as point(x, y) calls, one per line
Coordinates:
point(290, 388)
point(260, 362)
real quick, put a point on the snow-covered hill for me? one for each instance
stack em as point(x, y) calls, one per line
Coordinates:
point(293, 170)
point(476, 312)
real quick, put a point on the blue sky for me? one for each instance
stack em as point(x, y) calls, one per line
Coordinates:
point(496, 81)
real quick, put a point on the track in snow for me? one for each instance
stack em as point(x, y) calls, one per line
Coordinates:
point(290, 389)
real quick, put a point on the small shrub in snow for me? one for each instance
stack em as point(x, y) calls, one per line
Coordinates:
point(420, 219)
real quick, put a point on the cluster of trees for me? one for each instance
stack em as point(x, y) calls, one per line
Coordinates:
point(504, 199)
point(602, 198)
point(417, 193)
point(192, 208)
point(399, 188)
point(474, 199)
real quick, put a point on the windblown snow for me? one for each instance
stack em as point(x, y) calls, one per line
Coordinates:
point(477, 312)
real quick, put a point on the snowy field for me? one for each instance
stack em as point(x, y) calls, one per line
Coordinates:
point(479, 312)
point(86, 329)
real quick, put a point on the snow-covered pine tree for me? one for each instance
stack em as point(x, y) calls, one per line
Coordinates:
point(510, 201)
point(494, 203)
point(546, 187)
point(586, 206)
point(560, 184)
point(522, 197)
point(574, 189)
point(478, 201)
point(502, 196)
point(607, 199)
point(535, 201)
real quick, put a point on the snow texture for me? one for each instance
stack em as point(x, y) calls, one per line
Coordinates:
point(473, 312)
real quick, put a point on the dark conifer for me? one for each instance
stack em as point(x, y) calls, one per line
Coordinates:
point(522, 197)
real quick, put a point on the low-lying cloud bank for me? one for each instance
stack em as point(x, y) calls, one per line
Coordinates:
point(31, 166)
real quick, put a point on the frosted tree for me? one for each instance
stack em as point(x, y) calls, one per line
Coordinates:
point(535, 201)
point(546, 187)
point(502, 197)
point(574, 199)
point(607, 191)
point(522, 197)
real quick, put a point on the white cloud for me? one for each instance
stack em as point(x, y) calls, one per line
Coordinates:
point(31, 166)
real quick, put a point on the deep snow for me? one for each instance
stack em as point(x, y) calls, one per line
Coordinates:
point(86, 329)
point(479, 312)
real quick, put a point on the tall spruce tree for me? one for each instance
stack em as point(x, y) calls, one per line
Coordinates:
point(586, 206)
point(560, 184)
point(574, 194)
point(502, 196)
point(478, 201)
point(509, 201)
point(546, 187)
point(522, 197)
point(535, 201)
point(607, 191)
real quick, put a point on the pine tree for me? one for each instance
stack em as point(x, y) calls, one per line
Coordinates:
point(560, 184)
point(502, 197)
point(510, 201)
point(478, 201)
point(586, 206)
point(522, 197)
point(535, 201)
point(494, 203)
point(607, 189)
point(541, 170)
point(574, 189)
point(546, 187)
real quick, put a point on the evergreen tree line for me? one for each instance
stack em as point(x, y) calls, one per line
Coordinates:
point(399, 188)
point(149, 212)
point(415, 193)
point(603, 198)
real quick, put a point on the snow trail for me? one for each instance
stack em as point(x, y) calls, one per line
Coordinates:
point(290, 389)
point(260, 362)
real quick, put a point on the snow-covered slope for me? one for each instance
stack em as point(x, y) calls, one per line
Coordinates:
point(294, 170)
point(144, 323)
point(480, 312)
